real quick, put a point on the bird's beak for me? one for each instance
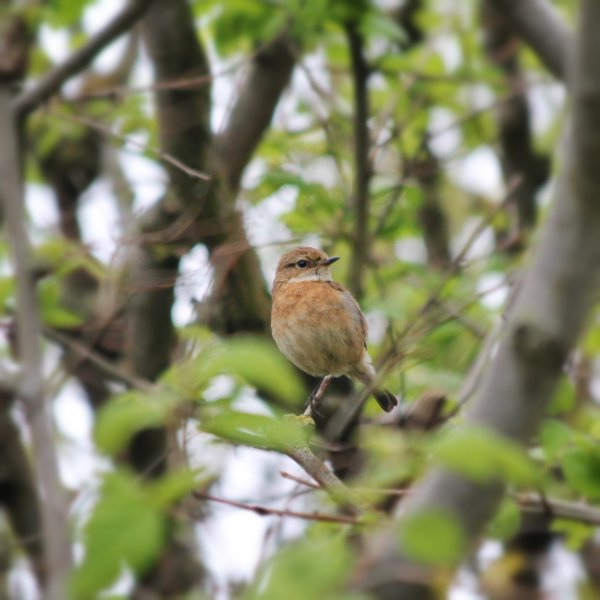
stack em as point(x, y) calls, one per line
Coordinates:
point(330, 261)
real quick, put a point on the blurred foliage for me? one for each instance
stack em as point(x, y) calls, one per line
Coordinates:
point(127, 528)
point(432, 537)
point(437, 96)
point(320, 578)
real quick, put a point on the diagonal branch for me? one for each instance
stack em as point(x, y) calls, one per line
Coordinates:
point(537, 22)
point(251, 115)
point(265, 511)
point(239, 298)
point(79, 60)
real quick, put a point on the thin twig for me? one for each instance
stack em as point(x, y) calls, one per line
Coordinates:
point(79, 60)
point(185, 83)
point(534, 503)
point(164, 156)
point(327, 479)
point(371, 490)
point(110, 369)
point(265, 511)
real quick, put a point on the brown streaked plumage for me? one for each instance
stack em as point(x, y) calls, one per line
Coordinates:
point(318, 325)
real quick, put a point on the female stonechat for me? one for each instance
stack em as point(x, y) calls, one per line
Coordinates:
point(318, 325)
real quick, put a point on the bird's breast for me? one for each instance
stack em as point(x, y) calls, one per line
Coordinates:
point(318, 327)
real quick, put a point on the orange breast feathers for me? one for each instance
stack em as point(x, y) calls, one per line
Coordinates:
point(318, 326)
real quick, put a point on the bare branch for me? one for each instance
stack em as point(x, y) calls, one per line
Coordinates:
point(532, 503)
point(559, 509)
point(519, 157)
point(253, 110)
point(109, 369)
point(57, 550)
point(362, 164)
point(163, 156)
point(539, 25)
point(328, 480)
point(265, 511)
point(76, 62)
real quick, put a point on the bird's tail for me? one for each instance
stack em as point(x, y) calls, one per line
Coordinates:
point(385, 399)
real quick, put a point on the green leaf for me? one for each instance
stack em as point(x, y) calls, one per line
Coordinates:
point(174, 486)
point(574, 533)
point(311, 568)
point(506, 521)
point(255, 361)
point(433, 537)
point(555, 436)
point(125, 529)
point(127, 414)
point(257, 430)
point(64, 13)
point(55, 316)
point(7, 290)
point(482, 455)
point(52, 313)
point(243, 22)
point(563, 400)
point(377, 25)
point(581, 467)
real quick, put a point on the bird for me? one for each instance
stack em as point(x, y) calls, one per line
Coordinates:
point(318, 325)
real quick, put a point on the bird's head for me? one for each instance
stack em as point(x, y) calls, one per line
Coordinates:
point(304, 264)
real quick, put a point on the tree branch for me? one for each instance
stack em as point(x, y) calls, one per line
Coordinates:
point(519, 158)
point(79, 60)
point(532, 503)
point(537, 22)
point(326, 478)
point(555, 297)
point(18, 494)
point(239, 299)
point(559, 509)
point(269, 75)
point(265, 511)
point(57, 550)
point(362, 164)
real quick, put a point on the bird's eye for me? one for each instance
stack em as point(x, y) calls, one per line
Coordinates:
point(302, 264)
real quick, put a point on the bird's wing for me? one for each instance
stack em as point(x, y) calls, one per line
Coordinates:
point(350, 300)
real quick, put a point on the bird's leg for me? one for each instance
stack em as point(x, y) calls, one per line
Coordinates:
point(316, 396)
